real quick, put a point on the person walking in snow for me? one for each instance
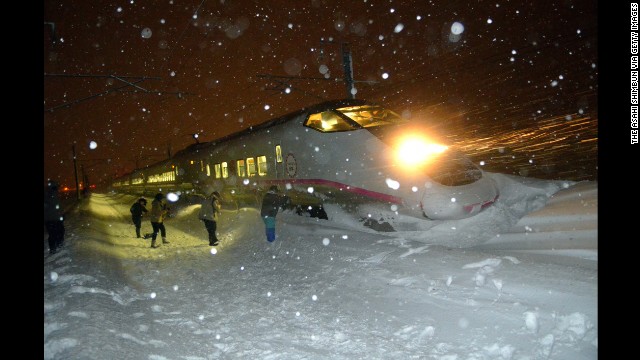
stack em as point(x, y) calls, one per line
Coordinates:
point(53, 217)
point(209, 212)
point(138, 209)
point(157, 214)
point(272, 202)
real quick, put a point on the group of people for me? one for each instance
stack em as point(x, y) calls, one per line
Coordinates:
point(209, 213)
point(159, 210)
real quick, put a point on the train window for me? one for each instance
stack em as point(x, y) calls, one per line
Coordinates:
point(262, 165)
point(278, 154)
point(240, 167)
point(208, 170)
point(216, 167)
point(225, 170)
point(251, 167)
point(371, 115)
point(201, 165)
point(191, 162)
point(352, 118)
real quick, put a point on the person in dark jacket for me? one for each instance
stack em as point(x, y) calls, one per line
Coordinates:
point(272, 202)
point(53, 217)
point(209, 212)
point(157, 214)
point(138, 209)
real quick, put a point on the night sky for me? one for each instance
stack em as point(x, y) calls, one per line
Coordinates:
point(516, 89)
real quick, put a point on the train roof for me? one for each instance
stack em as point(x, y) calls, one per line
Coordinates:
point(331, 104)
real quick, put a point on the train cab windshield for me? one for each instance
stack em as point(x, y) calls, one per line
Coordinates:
point(353, 118)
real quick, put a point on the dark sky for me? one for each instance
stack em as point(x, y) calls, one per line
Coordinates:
point(520, 81)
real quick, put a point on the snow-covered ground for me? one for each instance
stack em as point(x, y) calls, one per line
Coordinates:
point(499, 285)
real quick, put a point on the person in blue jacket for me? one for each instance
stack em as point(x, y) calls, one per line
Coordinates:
point(272, 202)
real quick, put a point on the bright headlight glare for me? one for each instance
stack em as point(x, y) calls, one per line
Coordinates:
point(416, 151)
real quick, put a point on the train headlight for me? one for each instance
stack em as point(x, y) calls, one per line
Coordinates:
point(413, 151)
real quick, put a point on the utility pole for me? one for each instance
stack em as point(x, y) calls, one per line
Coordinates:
point(75, 170)
point(347, 65)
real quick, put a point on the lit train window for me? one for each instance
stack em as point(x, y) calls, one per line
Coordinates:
point(240, 167)
point(251, 167)
point(201, 165)
point(278, 154)
point(217, 169)
point(225, 170)
point(262, 165)
point(208, 170)
point(352, 118)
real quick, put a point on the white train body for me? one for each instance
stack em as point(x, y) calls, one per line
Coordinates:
point(347, 152)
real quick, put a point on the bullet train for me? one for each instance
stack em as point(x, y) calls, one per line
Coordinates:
point(348, 152)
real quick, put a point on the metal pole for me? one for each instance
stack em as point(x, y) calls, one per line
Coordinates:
point(348, 70)
point(75, 170)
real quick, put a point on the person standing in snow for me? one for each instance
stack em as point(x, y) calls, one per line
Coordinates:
point(209, 212)
point(157, 214)
point(138, 209)
point(272, 202)
point(53, 217)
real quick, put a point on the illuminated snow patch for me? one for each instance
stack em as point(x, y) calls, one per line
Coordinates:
point(393, 184)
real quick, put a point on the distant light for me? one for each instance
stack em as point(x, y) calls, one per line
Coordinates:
point(482, 163)
point(418, 17)
point(54, 276)
point(173, 73)
point(245, 181)
point(453, 199)
point(385, 75)
point(325, 242)
point(392, 10)
point(162, 21)
point(152, 295)
point(213, 251)
point(314, 297)
point(394, 207)
point(290, 26)
point(310, 189)
point(398, 28)
point(93, 145)
point(414, 189)
point(267, 107)
point(119, 9)
point(457, 28)
point(287, 91)
point(489, 21)
point(513, 52)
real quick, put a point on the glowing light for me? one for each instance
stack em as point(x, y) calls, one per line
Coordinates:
point(325, 241)
point(393, 184)
point(93, 145)
point(457, 28)
point(415, 151)
point(173, 197)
